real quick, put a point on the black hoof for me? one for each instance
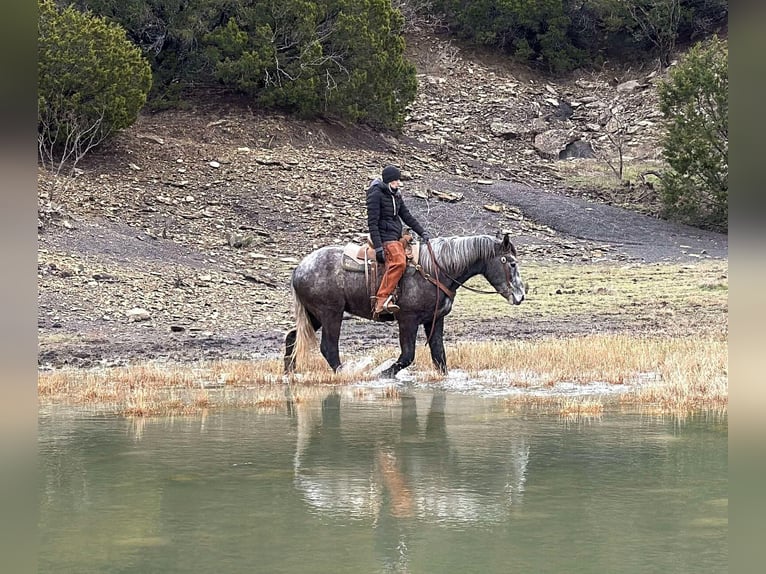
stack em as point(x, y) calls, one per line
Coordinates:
point(390, 372)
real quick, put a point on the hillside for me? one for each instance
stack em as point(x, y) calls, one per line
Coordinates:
point(197, 217)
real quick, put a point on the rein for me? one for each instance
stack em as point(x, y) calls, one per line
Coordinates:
point(460, 284)
point(448, 292)
point(435, 280)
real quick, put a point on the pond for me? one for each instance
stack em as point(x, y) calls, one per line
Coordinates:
point(358, 481)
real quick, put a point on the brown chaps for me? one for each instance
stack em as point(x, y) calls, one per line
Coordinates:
point(396, 263)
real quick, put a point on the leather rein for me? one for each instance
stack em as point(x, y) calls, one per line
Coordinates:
point(448, 292)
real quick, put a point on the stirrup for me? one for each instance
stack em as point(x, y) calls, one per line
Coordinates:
point(389, 306)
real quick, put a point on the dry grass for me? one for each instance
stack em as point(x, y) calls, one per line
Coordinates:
point(572, 410)
point(664, 375)
point(689, 382)
point(595, 174)
point(615, 359)
point(661, 375)
point(157, 389)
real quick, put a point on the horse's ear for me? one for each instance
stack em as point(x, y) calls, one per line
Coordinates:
point(507, 245)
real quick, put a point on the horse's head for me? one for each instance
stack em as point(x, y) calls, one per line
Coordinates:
point(502, 271)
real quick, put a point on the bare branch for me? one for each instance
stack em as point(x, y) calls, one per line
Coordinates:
point(616, 133)
point(65, 137)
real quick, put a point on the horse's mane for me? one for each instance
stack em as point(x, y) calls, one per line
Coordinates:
point(457, 253)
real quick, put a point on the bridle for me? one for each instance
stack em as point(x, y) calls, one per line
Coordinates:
point(451, 294)
point(503, 260)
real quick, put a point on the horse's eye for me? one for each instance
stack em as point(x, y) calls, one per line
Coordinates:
point(503, 259)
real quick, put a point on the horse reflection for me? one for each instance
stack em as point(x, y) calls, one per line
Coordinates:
point(351, 466)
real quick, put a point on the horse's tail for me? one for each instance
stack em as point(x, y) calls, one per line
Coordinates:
point(305, 335)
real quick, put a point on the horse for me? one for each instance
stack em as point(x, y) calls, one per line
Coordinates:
point(323, 291)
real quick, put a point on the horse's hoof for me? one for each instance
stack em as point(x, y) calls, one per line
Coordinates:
point(385, 369)
point(390, 372)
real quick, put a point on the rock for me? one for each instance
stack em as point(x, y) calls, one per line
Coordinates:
point(152, 137)
point(551, 143)
point(238, 241)
point(563, 111)
point(137, 314)
point(447, 196)
point(630, 86)
point(507, 130)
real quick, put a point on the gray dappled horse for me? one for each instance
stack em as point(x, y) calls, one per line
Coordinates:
point(323, 291)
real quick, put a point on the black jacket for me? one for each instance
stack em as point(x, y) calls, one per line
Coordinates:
point(385, 213)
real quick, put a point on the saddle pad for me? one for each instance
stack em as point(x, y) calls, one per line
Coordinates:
point(351, 263)
point(355, 252)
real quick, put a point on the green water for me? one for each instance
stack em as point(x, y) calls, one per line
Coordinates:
point(426, 482)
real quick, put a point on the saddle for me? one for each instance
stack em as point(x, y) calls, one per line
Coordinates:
point(359, 256)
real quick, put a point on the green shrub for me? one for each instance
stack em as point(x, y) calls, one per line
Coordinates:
point(694, 101)
point(337, 58)
point(92, 82)
point(561, 35)
point(535, 31)
point(331, 57)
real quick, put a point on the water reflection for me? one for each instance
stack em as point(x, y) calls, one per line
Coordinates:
point(405, 470)
point(350, 481)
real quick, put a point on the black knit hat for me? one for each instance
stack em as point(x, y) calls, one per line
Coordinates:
point(391, 173)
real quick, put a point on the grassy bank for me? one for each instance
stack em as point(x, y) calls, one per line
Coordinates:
point(664, 375)
point(662, 299)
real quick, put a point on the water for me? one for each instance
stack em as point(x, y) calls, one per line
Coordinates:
point(424, 482)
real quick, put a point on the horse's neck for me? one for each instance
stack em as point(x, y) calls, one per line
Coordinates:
point(473, 270)
point(468, 269)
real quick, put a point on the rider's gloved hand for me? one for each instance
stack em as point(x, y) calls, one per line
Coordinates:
point(425, 237)
point(379, 255)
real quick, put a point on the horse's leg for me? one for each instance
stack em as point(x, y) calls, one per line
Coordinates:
point(435, 338)
point(291, 341)
point(290, 350)
point(330, 337)
point(408, 331)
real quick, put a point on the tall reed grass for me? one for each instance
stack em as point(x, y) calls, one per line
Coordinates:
point(658, 373)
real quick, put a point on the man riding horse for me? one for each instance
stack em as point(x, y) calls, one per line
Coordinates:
point(385, 213)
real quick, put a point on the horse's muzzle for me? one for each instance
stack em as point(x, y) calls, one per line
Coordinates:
point(514, 298)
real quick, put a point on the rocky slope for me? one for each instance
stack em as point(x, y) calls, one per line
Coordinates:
point(178, 241)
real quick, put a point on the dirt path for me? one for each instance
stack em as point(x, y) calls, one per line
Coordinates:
point(631, 235)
